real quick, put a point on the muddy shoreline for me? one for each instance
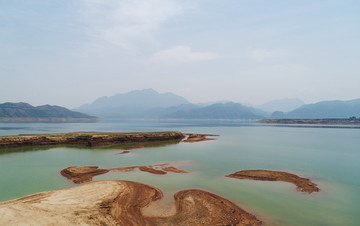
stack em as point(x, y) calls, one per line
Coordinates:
point(87, 139)
point(120, 203)
point(83, 174)
point(302, 184)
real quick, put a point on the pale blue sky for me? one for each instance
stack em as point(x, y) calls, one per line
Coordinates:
point(251, 51)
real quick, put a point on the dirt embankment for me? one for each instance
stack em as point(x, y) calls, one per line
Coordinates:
point(120, 203)
point(87, 138)
point(85, 173)
point(302, 184)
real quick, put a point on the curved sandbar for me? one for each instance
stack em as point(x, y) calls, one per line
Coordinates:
point(302, 184)
point(83, 174)
point(120, 203)
point(87, 138)
point(191, 138)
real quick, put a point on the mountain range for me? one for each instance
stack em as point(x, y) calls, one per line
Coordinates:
point(322, 110)
point(149, 104)
point(284, 105)
point(24, 112)
point(135, 104)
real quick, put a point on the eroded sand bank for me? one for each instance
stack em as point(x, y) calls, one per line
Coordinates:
point(192, 138)
point(80, 174)
point(302, 184)
point(120, 203)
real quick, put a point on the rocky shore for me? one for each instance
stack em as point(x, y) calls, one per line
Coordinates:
point(302, 184)
point(87, 138)
point(120, 203)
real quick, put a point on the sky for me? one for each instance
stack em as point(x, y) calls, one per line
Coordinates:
point(72, 52)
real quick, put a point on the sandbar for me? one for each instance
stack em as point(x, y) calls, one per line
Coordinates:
point(88, 139)
point(191, 138)
point(302, 184)
point(120, 203)
point(81, 174)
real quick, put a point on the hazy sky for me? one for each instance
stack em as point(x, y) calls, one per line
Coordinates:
point(251, 51)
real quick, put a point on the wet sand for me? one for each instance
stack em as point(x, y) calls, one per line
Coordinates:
point(191, 138)
point(302, 184)
point(81, 174)
point(88, 139)
point(120, 203)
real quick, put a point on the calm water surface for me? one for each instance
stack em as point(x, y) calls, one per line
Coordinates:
point(328, 156)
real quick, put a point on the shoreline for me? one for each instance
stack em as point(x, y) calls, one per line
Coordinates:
point(302, 184)
point(81, 174)
point(311, 121)
point(87, 139)
point(120, 203)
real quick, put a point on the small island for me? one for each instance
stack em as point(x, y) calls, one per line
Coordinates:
point(87, 139)
point(91, 139)
point(86, 173)
point(302, 184)
point(121, 203)
point(192, 138)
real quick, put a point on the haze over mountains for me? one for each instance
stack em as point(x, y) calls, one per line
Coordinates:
point(136, 104)
point(323, 109)
point(284, 105)
point(23, 112)
point(151, 104)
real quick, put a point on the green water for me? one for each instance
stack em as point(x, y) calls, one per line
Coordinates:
point(328, 156)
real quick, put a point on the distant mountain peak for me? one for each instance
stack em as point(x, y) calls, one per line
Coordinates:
point(325, 109)
point(132, 104)
point(284, 105)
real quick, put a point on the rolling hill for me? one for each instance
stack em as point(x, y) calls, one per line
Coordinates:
point(24, 112)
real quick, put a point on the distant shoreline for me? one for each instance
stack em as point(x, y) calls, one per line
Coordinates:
point(49, 119)
point(312, 121)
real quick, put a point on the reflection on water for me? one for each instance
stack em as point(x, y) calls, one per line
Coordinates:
point(328, 156)
point(152, 144)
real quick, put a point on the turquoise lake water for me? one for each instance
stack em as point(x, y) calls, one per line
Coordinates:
point(328, 156)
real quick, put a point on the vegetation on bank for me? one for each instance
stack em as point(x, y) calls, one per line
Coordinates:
point(88, 139)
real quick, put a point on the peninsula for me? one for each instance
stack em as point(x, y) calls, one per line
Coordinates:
point(302, 184)
point(122, 203)
point(88, 139)
point(81, 174)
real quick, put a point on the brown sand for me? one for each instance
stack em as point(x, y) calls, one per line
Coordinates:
point(302, 184)
point(88, 139)
point(85, 173)
point(197, 137)
point(120, 203)
point(82, 174)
